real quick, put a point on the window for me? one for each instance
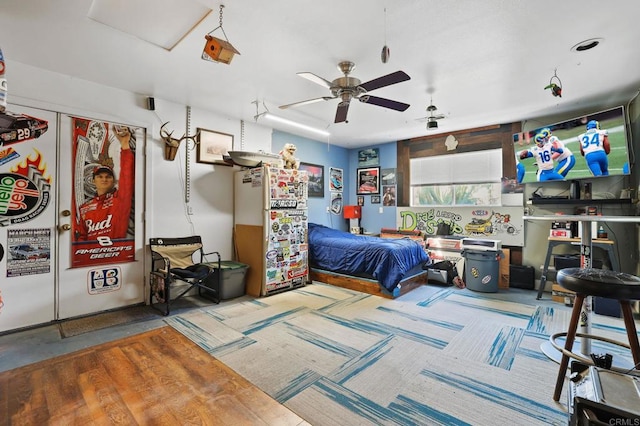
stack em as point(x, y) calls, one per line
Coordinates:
point(465, 179)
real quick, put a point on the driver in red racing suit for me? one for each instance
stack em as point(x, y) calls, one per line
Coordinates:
point(107, 214)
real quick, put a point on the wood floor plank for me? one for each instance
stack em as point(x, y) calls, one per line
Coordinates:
point(158, 377)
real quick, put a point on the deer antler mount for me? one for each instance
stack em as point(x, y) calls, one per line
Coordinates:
point(172, 144)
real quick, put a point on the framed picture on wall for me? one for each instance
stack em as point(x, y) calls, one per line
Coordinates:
point(375, 199)
point(368, 181)
point(316, 178)
point(213, 146)
point(335, 179)
point(368, 157)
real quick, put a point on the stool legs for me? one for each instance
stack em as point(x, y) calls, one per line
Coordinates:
point(630, 325)
point(571, 336)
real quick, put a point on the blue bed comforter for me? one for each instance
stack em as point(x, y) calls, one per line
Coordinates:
point(385, 259)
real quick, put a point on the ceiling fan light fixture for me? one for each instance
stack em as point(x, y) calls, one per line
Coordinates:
point(292, 123)
point(432, 124)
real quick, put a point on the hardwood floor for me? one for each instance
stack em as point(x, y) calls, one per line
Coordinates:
point(156, 377)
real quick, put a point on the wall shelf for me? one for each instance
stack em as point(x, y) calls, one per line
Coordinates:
point(575, 202)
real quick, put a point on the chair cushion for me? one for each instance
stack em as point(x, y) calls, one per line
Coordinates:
point(600, 282)
point(197, 272)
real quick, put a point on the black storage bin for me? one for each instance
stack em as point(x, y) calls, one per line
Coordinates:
point(521, 276)
point(608, 307)
point(573, 261)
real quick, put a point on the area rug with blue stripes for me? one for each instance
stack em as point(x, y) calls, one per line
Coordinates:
point(438, 355)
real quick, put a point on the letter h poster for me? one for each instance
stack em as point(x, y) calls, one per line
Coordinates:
point(103, 192)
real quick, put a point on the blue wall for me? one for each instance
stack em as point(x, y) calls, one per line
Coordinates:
point(324, 154)
point(372, 219)
point(327, 155)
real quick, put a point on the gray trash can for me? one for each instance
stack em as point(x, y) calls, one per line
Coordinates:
point(482, 269)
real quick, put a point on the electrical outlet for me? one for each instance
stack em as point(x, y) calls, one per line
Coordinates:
point(189, 210)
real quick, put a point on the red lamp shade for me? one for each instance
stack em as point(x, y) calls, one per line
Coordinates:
point(352, 212)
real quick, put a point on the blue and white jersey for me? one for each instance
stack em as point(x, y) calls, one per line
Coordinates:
point(543, 156)
point(592, 140)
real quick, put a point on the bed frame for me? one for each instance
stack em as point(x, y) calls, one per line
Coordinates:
point(415, 279)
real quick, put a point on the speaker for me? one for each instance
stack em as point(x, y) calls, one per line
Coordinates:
point(151, 104)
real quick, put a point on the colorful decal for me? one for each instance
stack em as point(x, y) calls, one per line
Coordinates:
point(104, 280)
point(3, 84)
point(16, 128)
point(503, 223)
point(7, 155)
point(103, 193)
point(25, 192)
point(29, 252)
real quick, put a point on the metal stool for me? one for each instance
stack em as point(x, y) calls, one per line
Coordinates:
point(603, 283)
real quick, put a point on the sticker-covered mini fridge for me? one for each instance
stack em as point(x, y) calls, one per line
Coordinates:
point(270, 228)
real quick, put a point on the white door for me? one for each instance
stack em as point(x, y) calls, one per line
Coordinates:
point(45, 273)
point(27, 218)
point(97, 269)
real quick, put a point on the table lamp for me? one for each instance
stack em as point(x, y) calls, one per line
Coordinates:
point(353, 213)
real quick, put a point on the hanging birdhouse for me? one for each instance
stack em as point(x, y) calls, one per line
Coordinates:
point(217, 50)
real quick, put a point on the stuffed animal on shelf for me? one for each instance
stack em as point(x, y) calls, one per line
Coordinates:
point(288, 158)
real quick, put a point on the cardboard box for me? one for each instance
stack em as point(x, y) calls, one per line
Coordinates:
point(562, 295)
point(504, 269)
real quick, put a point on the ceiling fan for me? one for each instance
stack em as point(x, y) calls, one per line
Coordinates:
point(347, 88)
point(432, 119)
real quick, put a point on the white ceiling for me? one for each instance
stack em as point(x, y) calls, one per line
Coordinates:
point(483, 62)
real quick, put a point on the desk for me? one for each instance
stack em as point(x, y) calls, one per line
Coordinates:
point(556, 241)
point(585, 262)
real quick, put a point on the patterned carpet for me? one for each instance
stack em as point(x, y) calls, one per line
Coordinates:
point(434, 356)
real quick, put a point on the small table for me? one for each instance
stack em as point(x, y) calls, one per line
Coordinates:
point(556, 241)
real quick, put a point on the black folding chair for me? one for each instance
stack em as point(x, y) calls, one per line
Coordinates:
point(182, 262)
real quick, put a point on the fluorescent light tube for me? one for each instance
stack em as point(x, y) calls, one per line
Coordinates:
point(294, 124)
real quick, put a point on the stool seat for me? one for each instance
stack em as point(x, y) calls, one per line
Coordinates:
point(600, 283)
point(587, 282)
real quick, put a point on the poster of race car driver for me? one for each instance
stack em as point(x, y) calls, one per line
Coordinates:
point(103, 193)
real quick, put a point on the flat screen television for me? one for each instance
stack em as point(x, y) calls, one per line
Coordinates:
point(611, 122)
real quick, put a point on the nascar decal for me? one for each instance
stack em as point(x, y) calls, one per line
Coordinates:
point(25, 192)
point(104, 280)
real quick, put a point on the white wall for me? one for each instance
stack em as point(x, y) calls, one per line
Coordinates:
point(211, 195)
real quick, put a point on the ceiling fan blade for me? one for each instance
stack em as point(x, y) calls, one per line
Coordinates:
point(341, 112)
point(307, 102)
point(386, 103)
point(315, 79)
point(385, 80)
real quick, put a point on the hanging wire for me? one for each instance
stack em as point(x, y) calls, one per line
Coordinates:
point(555, 75)
point(220, 26)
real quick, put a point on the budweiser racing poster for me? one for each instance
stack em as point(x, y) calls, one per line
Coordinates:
point(103, 192)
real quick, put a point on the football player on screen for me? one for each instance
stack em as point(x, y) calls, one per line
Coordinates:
point(594, 146)
point(565, 160)
point(543, 153)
